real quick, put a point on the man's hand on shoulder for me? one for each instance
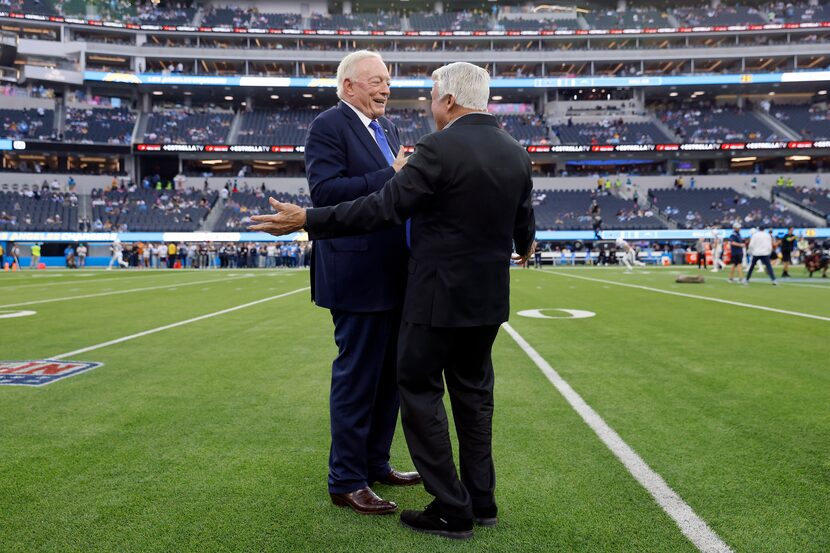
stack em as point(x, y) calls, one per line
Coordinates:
point(400, 160)
point(287, 219)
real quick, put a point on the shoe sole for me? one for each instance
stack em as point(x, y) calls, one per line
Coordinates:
point(343, 503)
point(397, 485)
point(487, 522)
point(459, 535)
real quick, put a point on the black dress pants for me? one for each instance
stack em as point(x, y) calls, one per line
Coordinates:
point(427, 356)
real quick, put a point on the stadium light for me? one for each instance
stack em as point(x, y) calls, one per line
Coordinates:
point(672, 94)
point(157, 93)
point(497, 98)
point(275, 96)
point(422, 98)
point(307, 95)
point(229, 98)
point(822, 92)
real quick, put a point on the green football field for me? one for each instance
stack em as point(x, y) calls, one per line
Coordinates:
point(206, 428)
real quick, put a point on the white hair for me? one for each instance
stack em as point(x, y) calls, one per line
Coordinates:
point(469, 84)
point(346, 69)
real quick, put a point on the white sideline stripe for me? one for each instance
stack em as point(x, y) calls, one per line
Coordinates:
point(781, 281)
point(116, 292)
point(174, 325)
point(694, 296)
point(692, 526)
point(78, 281)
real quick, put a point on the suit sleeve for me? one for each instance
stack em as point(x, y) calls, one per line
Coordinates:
point(326, 168)
point(410, 189)
point(524, 231)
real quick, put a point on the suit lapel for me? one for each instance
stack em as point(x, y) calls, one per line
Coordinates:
point(391, 137)
point(363, 134)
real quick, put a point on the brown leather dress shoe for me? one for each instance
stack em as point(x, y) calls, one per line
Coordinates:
point(398, 478)
point(365, 502)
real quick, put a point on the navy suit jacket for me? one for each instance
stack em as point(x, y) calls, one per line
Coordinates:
point(362, 273)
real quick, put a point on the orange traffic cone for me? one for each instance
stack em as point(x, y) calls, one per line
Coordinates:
point(14, 267)
point(6, 266)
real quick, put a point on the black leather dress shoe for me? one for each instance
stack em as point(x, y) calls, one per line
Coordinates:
point(432, 521)
point(486, 517)
point(365, 502)
point(398, 478)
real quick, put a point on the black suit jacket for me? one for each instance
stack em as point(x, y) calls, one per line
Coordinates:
point(360, 273)
point(467, 190)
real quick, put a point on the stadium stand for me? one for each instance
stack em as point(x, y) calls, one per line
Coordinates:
point(360, 21)
point(38, 210)
point(570, 210)
point(249, 18)
point(815, 199)
point(630, 19)
point(149, 13)
point(412, 124)
point(720, 206)
point(537, 24)
point(610, 132)
point(112, 126)
point(183, 127)
point(134, 209)
point(240, 206)
point(32, 124)
point(722, 15)
point(459, 21)
point(526, 129)
point(810, 122)
point(708, 122)
point(284, 126)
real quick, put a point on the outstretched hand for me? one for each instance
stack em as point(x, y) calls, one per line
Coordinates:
point(287, 219)
point(521, 260)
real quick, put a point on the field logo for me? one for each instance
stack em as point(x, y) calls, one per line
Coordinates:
point(569, 313)
point(40, 372)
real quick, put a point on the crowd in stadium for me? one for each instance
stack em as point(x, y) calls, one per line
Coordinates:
point(210, 255)
point(184, 12)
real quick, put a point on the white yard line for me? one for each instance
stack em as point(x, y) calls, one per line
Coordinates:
point(762, 277)
point(174, 325)
point(693, 296)
point(692, 526)
point(81, 281)
point(116, 292)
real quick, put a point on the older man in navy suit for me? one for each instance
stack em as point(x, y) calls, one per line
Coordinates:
point(352, 150)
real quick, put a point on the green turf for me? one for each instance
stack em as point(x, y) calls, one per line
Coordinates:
point(213, 436)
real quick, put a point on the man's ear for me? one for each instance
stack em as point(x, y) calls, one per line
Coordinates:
point(450, 102)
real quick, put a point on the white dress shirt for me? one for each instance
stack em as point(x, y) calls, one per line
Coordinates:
point(365, 120)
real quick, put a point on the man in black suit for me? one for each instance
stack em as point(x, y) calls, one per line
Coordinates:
point(467, 189)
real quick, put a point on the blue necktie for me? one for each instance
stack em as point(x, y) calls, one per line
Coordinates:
point(380, 137)
point(386, 150)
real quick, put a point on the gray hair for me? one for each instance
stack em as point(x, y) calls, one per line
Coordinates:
point(468, 83)
point(346, 69)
